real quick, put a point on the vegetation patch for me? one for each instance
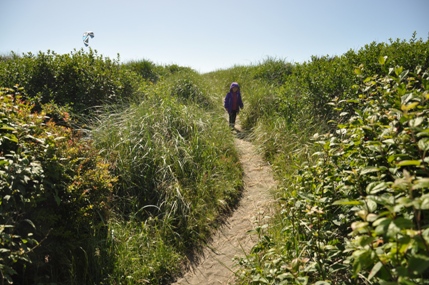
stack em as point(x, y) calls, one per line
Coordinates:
point(113, 173)
point(353, 192)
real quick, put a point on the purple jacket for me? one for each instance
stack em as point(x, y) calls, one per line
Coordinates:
point(227, 103)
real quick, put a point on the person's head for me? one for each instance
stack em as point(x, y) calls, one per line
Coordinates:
point(234, 87)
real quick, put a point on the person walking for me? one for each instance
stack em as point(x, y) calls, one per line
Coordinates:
point(233, 103)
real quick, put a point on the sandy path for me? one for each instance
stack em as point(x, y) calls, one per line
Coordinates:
point(216, 265)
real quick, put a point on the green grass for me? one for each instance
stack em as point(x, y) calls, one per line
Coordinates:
point(178, 177)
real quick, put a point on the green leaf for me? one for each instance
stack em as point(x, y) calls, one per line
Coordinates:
point(403, 223)
point(416, 122)
point(425, 234)
point(369, 170)
point(359, 226)
point(421, 183)
point(404, 74)
point(260, 280)
point(57, 198)
point(30, 223)
point(35, 139)
point(398, 70)
point(389, 142)
point(423, 144)
point(409, 106)
point(352, 101)
point(409, 162)
point(382, 60)
point(375, 270)
point(405, 98)
point(381, 225)
point(362, 258)
point(371, 217)
point(6, 128)
point(423, 133)
point(376, 187)
point(405, 201)
point(11, 137)
point(347, 202)
point(392, 230)
point(303, 280)
point(371, 204)
point(418, 264)
point(425, 204)
point(364, 240)
point(285, 276)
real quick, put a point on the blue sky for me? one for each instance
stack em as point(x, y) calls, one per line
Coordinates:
point(208, 35)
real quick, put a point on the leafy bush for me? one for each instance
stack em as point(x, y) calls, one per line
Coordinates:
point(376, 164)
point(82, 80)
point(55, 191)
point(310, 240)
point(390, 239)
point(145, 68)
point(307, 88)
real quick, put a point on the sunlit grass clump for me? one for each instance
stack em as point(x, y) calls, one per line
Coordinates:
point(178, 175)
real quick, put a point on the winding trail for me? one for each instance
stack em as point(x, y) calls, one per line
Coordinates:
point(216, 265)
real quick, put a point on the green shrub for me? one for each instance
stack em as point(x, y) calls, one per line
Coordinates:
point(145, 68)
point(54, 196)
point(81, 79)
point(390, 240)
point(369, 175)
point(309, 87)
point(310, 239)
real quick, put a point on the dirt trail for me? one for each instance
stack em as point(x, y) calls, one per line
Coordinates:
point(216, 265)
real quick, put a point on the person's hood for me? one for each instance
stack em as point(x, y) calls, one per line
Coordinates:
point(234, 84)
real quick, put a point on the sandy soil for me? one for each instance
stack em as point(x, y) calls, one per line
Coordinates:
point(216, 265)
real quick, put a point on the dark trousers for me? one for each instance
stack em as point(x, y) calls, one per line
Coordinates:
point(232, 117)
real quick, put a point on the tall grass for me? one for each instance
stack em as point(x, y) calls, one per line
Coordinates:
point(178, 176)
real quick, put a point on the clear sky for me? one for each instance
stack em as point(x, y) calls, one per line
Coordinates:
point(208, 35)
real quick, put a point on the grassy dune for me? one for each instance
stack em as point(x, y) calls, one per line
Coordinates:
point(113, 173)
